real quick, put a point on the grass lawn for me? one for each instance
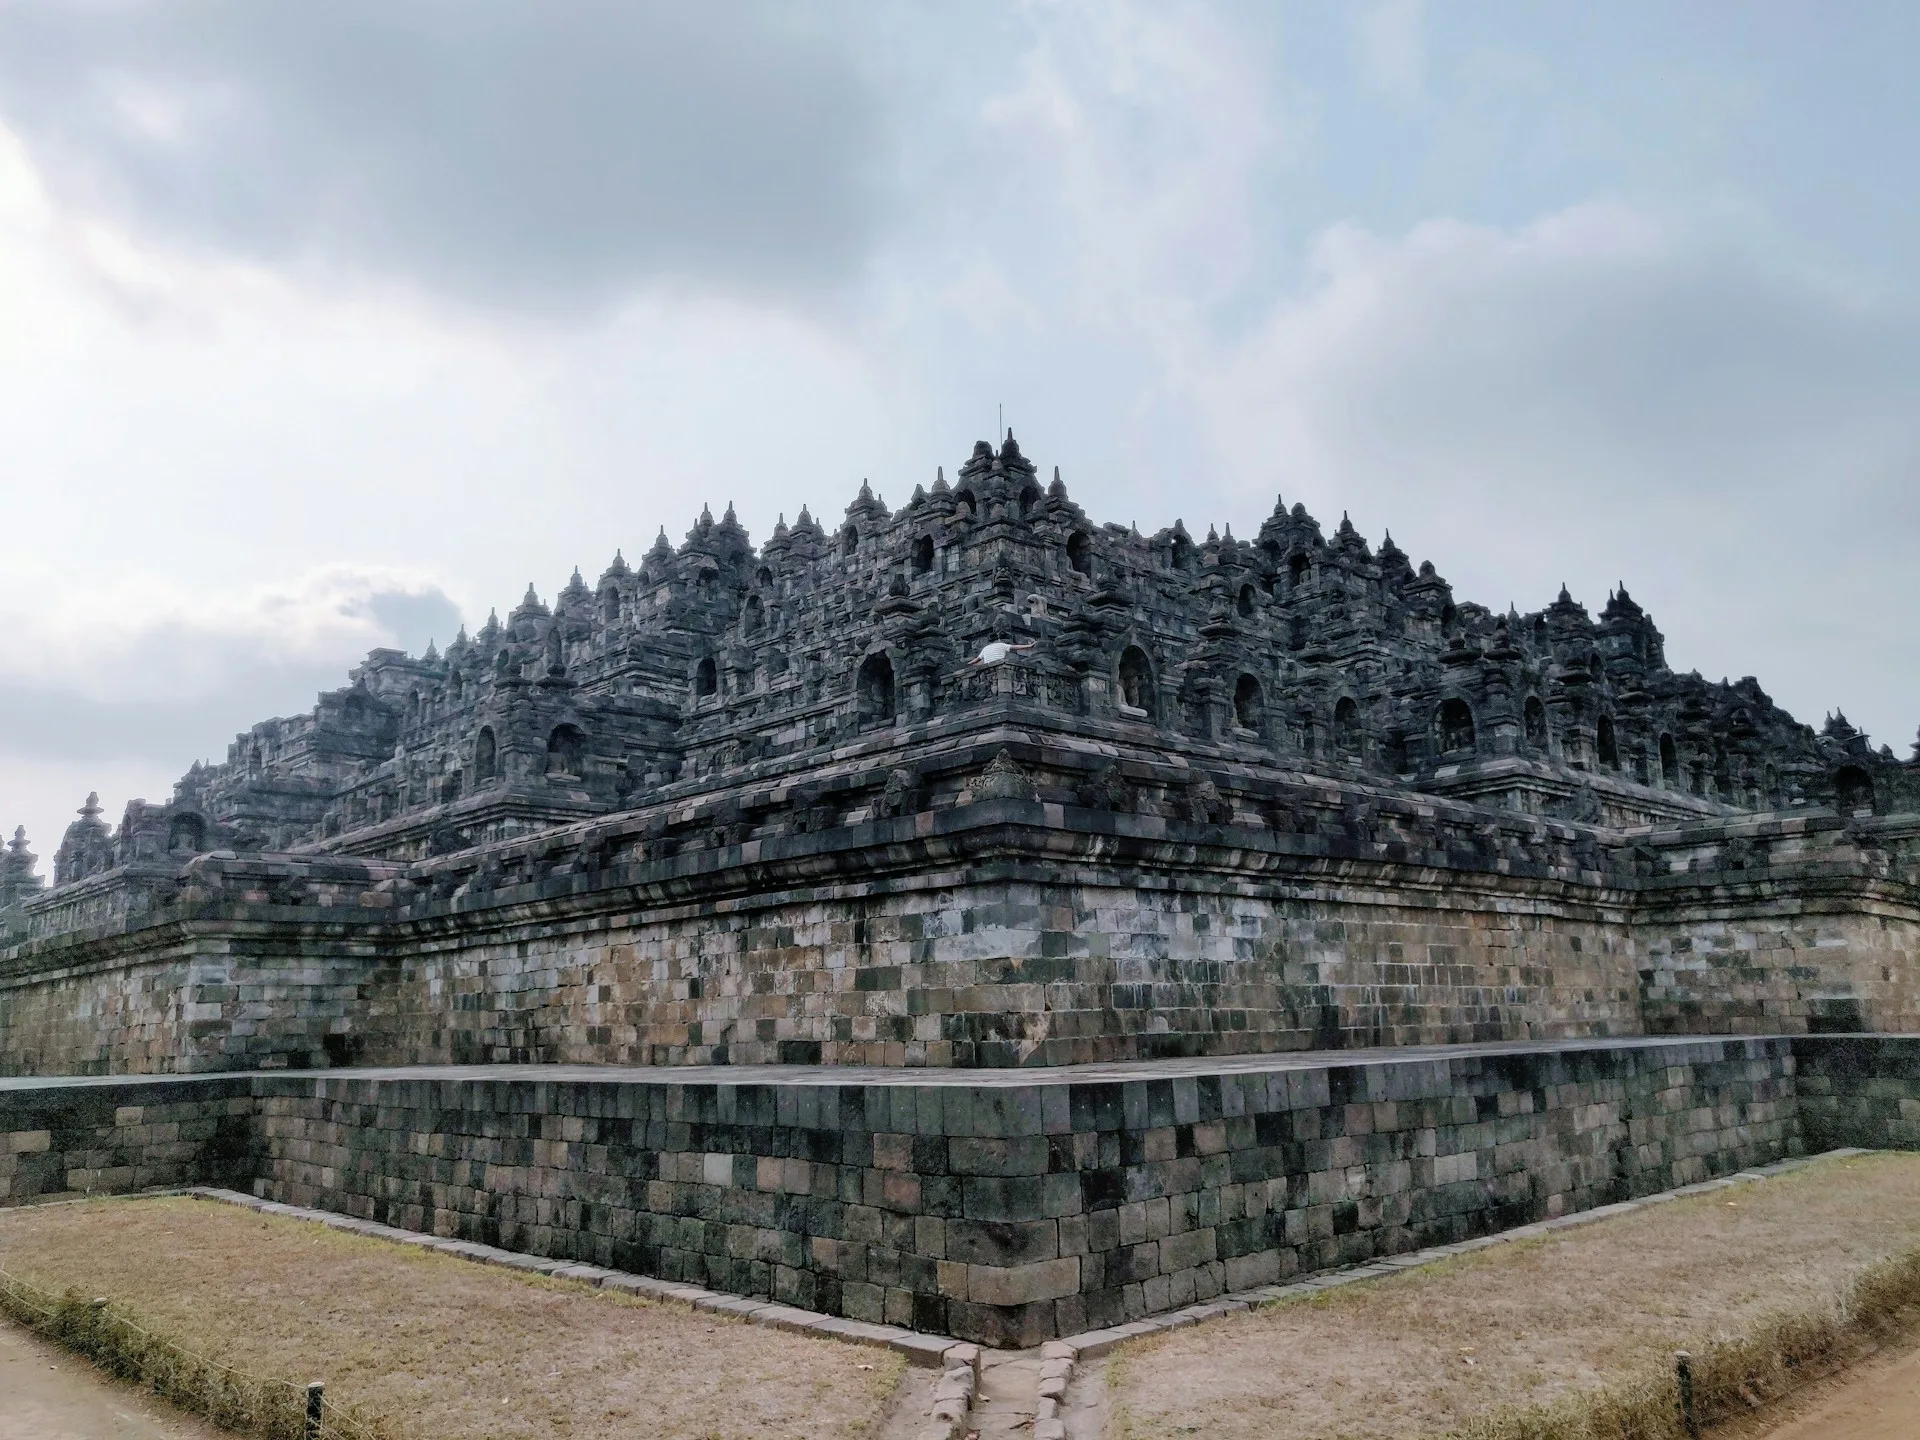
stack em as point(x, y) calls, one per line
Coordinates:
point(439, 1346)
point(1420, 1353)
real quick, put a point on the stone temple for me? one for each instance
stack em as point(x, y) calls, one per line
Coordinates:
point(835, 826)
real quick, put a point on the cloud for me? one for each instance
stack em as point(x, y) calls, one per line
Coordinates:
point(1595, 397)
point(513, 153)
point(1392, 48)
point(128, 674)
point(120, 686)
point(1127, 135)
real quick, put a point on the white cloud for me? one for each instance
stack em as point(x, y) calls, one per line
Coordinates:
point(1133, 130)
point(224, 484)
point(518, 155)
point(151, 638)
point(121, 684)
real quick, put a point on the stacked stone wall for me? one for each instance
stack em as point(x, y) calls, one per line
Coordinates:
point(1769, 960)
point(1005, 1212)
point(107, 1138)
point(998, 932)
point(1011, 971)
point(258, 993)
point(1860, 1090)
point(1014, 972)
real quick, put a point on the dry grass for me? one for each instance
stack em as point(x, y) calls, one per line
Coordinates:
point(439, 1346)
point(1528, 1327)
point(265, 1408)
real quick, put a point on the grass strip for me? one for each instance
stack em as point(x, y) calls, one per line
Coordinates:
point(1732, 1375)
point(253, 1405)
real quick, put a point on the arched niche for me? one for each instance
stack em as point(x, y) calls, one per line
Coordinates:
point(1080, 552)
point(1137, 690)
point(1533, 719)
point(1249, 705)
point(874, 689)
point(1454, 722)
point(187, 833)
point(566, 750)
point(1853, 790)
point(486, 755)
point(1349, 739)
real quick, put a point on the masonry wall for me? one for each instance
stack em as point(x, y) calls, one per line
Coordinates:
point(1010, 972)
point(107, 1138)
point(1004, 1212)
point(1004, 933)
point(259, 991)
point(1860, 1090)
point(1006, 972)
point(998, 933)
point(1779, 959)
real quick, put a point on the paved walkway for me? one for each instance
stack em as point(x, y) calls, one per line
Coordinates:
point(48, 1394)
point(926, 1075)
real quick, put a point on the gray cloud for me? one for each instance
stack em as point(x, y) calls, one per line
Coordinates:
point(512, 153)
point(60, 724)
point(1593, 399)
point(174, 687)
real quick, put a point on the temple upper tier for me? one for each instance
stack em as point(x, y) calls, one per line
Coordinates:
point(982, 600)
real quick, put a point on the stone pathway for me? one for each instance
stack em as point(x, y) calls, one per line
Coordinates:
point(1009, 1391)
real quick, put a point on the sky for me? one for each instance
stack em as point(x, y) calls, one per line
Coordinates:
point(328, 327)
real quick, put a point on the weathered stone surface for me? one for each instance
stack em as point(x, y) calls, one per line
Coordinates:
point(1326, 1160)
point(1005, 933)
point(981, 783)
